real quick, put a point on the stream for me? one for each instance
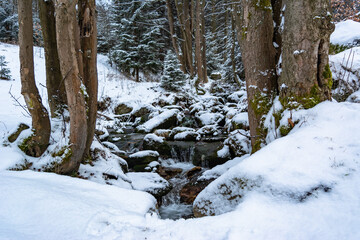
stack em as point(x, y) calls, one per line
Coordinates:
point(184, 156)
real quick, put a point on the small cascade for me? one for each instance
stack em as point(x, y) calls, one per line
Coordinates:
point(171, 207)
point(182, 151)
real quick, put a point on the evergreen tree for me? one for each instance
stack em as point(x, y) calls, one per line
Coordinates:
point(136, 30)
point(9, 26)
point(4, 71)
point(173, 78)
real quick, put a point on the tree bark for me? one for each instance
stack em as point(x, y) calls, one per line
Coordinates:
point(88, 36)
point(75, 90)
point(54, 84)
point(39, 141)
point(305, 76)
point(255, 34)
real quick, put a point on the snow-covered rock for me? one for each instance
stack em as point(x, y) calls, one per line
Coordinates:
point(187, 136)
point(209, 118)
point(238, 142)
point(140, 160)
point(156, 143)
point(346, 33)
point(152, 183)
point(290, 169)
point(167, 119)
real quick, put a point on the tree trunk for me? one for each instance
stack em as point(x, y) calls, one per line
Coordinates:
point(75, 90)
point(255, 34)
point(54, 84)
point(306, 76)
point(173, 35)
point(88, 36)
point(183, 13)
point(200, 46)
point(37, 144)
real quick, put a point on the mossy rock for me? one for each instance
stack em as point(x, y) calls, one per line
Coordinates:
point(12, 138)
point(122, 108)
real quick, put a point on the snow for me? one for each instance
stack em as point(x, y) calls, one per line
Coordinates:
point(144, 153)
point(322, 151)
point(148, 182)
point(157, 120)
point(153, 138)
point(48, 206)
point(345, 33)
point(186, 134)
point(208, 118)
point(345, 67)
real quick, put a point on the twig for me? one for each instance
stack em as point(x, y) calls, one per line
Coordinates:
point(19, 104)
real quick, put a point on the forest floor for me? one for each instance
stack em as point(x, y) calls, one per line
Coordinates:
point(303, 186)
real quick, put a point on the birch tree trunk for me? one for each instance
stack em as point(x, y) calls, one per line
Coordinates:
point(39, 141)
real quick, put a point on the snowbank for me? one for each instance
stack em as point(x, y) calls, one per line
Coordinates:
point(48, 206)
point(345, 33)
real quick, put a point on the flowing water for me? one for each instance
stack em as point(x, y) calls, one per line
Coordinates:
point(183, 155)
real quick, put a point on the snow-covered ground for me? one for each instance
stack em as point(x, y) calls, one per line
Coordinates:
point(306, 185)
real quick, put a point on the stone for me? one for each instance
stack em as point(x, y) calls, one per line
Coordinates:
point(167, 119)
point(168, 172)
point(139, 161)
point(156, 143)
point(192, 189)
point(215, 76)
point(12, 138)
point(122, 108)
point(238, 143)
point(152, 183)
point(187, 136)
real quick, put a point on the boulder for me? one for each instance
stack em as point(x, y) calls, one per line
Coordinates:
point(156, 143)
point(187, 136)
point(168, 172)
point(152, 183)
point(177, 130)
point(140, 160)
point(167, 119)
point(240, 121)
point(238, 143)
point(215, 76)
point(163, 133)
point(122, 108)
point(190, 191)
point(208, 118)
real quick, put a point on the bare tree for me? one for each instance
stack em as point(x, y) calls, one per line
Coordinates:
point(88, 36)
point(71, 69)
point(39, 140)
point(54, 84)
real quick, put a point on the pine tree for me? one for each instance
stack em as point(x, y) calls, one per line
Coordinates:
point(4, 71)
point(136, 30)
point(9, 26)
point(173, 78)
